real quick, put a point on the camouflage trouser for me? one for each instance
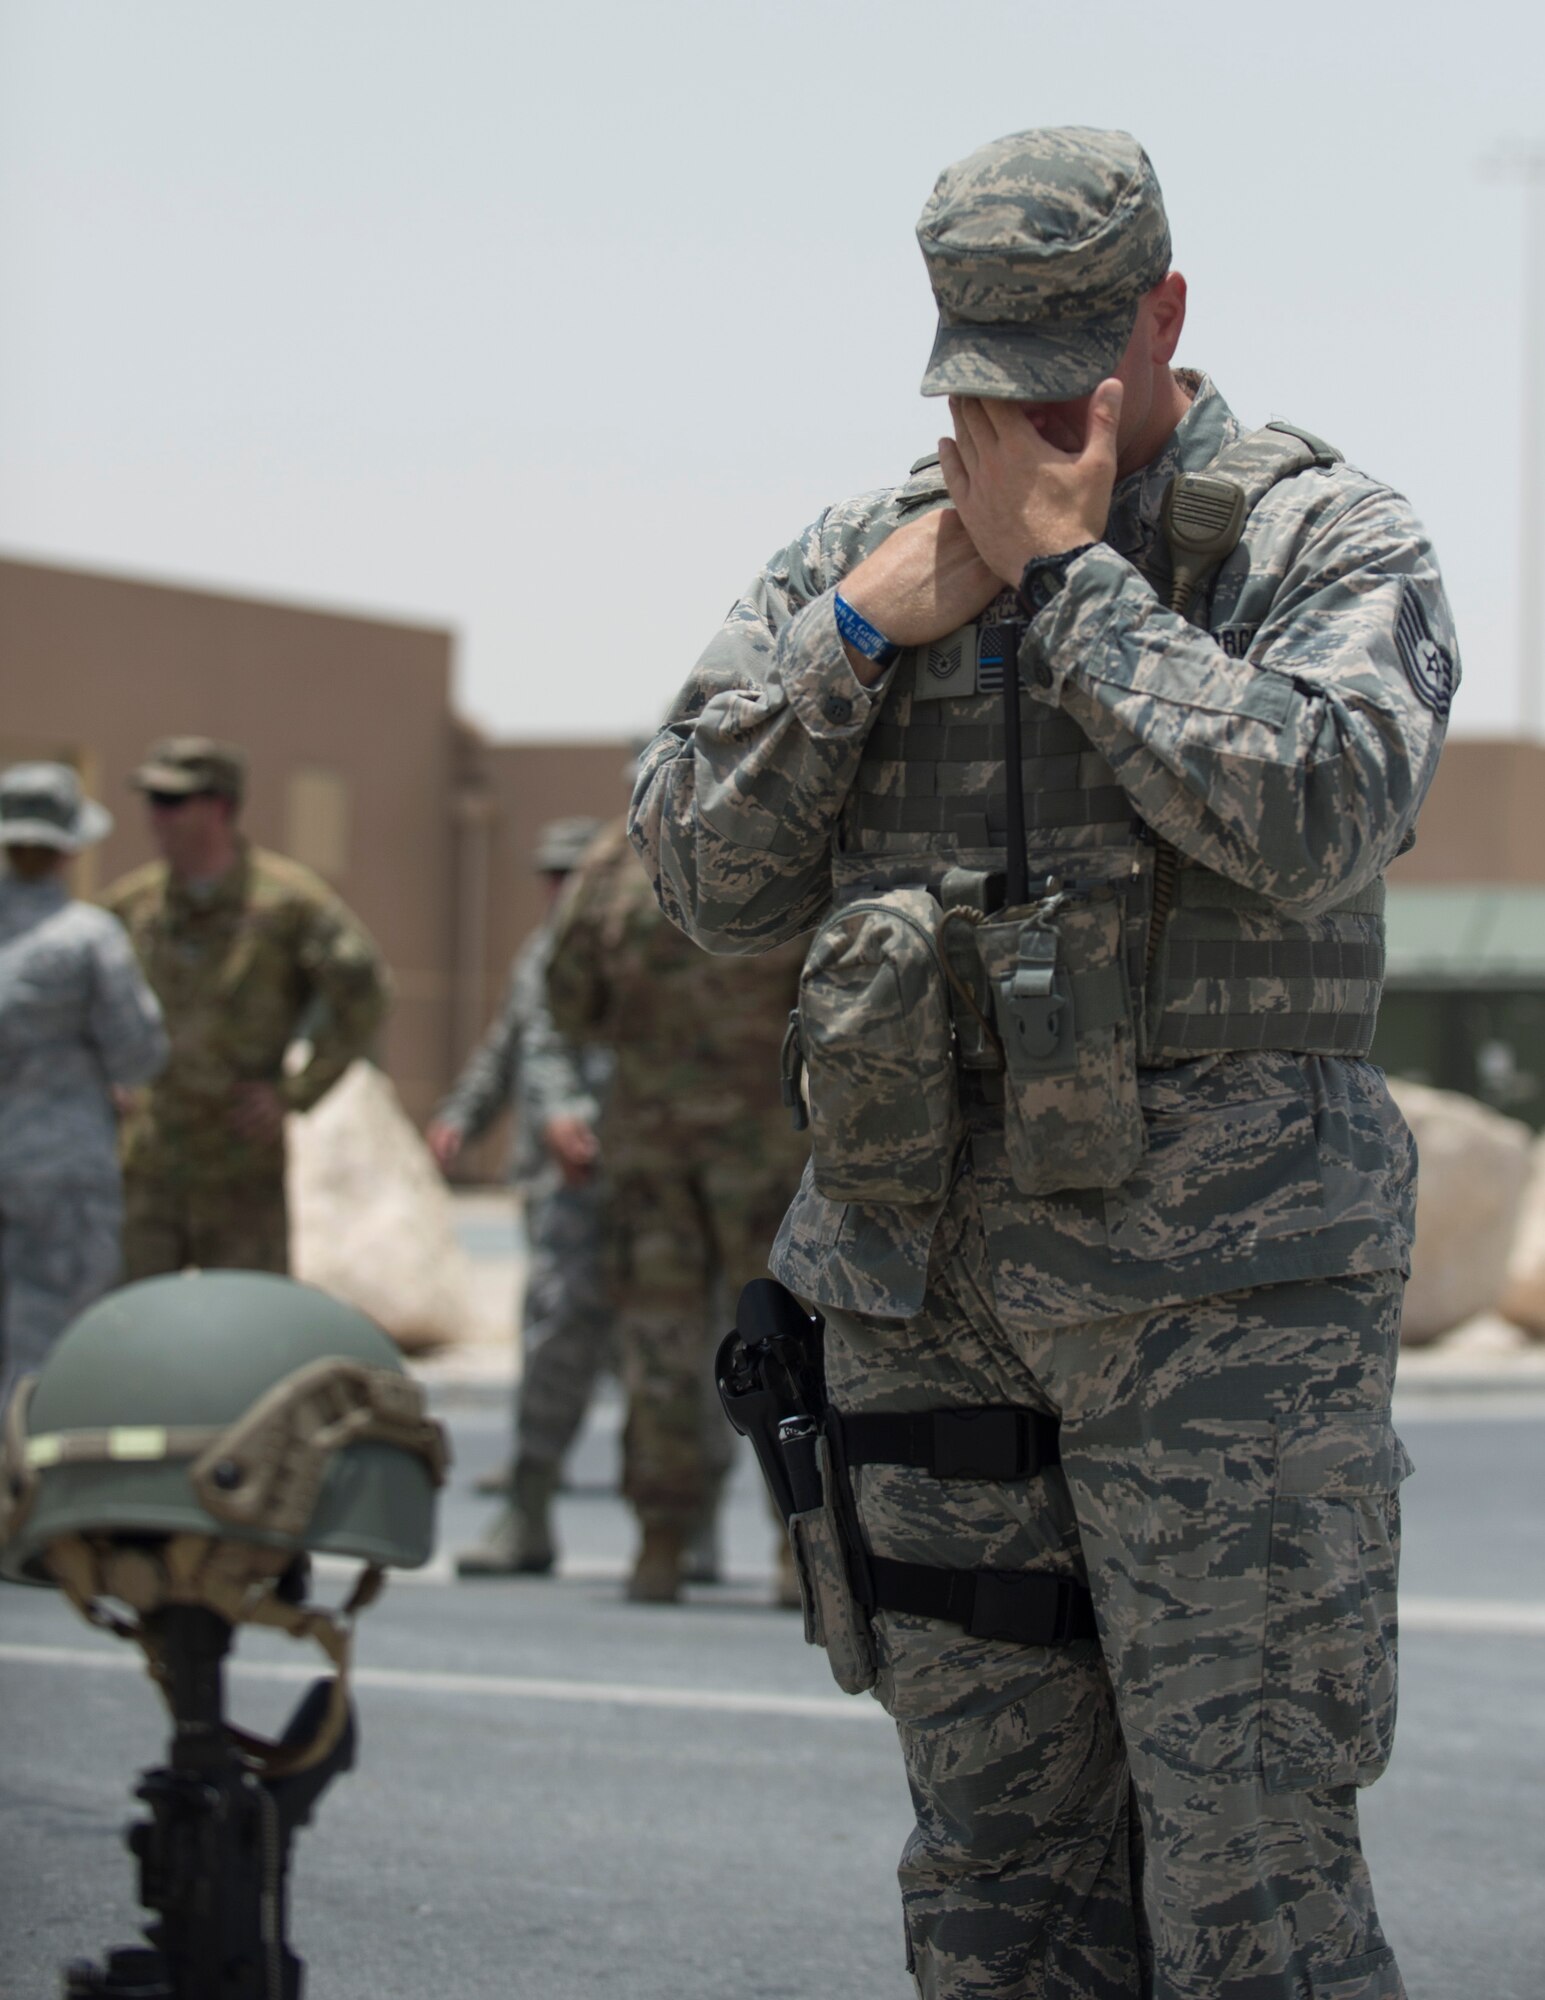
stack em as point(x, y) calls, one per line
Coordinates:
point(687, 1233)
point(212, 1225)
point(566, 1320)
point(1170, 1811)
point(59, 1251)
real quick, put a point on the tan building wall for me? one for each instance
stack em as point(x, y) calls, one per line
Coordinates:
point(1484, 819)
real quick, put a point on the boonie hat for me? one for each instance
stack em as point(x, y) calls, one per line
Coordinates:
point(42, 805)
point(560, 846)
point(186, 765)
point(1039, 248)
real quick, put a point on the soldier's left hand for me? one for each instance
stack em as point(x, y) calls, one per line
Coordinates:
point(257, 1112)
point(1017, 492)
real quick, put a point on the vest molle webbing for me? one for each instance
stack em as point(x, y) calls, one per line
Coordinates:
point(1226, 970)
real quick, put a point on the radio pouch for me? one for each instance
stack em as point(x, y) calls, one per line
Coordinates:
point(876, 1039)
point(834, 1618)
point(1071, 1115)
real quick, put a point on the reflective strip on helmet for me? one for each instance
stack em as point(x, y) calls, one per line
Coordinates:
point(124, 1443)
point(144, 1441)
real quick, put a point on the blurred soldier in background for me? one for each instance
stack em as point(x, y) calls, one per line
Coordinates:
point(76, 1019)
point(700, 1163)
point(555, 1089)
point(249, 955)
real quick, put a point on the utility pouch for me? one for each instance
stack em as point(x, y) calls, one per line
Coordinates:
point(877, 1042)
point(1071, 1115)
point(834, 1618)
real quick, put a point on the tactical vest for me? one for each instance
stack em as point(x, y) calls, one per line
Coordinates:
point(1130, 955)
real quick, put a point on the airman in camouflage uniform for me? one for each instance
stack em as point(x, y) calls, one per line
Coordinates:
point(1176, 1204)
point(699, 1162)
point(555, 1088)
point(76, 1021)
point(251, 956)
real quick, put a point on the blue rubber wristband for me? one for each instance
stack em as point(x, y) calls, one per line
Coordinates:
point(861, 635)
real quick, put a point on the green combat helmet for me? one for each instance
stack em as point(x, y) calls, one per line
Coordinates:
point(188, 1444)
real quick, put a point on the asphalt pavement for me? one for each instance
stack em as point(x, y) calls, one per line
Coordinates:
point(562, 1795)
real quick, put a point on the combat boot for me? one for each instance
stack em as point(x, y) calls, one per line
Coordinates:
point(520, 1542)
point(656, 1577)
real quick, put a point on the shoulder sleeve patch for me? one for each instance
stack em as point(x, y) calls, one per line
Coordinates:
point(1428, 668)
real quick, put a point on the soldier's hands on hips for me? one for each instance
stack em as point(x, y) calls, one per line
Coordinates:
point(444, 1141)
point(572, 1143)
point(921, 582)
point(257, 1112)
point(1019, 493)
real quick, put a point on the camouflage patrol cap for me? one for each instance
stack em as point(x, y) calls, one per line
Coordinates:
point(42, 805)
point(190, 764)
point(560, 846)
point(1039, 248)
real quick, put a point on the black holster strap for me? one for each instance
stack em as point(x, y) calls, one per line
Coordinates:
point(954, 1444)
point(1026, 1607)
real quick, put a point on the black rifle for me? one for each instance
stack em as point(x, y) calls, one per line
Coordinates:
point(214, 1855)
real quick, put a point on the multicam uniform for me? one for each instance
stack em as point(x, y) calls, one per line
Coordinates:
point(75, 1018)
point(697, 1153)
point(261, 959)
point(1217, 1333)
point(566, 1316)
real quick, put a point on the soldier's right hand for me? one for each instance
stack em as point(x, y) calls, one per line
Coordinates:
point(923, 581)
point(444, 1141)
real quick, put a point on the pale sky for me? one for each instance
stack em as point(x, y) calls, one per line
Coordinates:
point(550, 322)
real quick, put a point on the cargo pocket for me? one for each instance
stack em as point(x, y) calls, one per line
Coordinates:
point(1328, 1696)
point(1373, 1976)
point(1219, 1178)
point(834, 1618)
point(877, 1042)
point(1071, 1115)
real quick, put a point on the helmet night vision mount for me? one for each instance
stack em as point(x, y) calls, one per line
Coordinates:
point(189, 1444)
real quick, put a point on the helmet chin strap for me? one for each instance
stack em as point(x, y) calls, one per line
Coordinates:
point(238, 1581)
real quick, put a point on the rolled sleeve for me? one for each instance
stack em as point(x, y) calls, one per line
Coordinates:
point(823, 690)
point(740, 794)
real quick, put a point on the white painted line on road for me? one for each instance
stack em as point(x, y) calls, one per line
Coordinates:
point(503, 1687)
point(1502, 1617)
point(1466, 1406)
point(440, 1569)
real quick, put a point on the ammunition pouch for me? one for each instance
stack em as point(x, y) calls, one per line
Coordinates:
point(834, 1616)
point(1055, 973)
point(874, 1033)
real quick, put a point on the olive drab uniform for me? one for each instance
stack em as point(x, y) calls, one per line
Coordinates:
point(1113, 1160)
point(244, 968)
point(697, 1153)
